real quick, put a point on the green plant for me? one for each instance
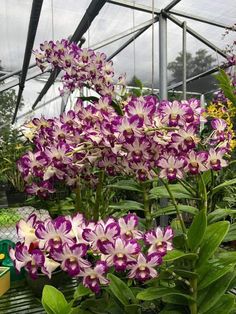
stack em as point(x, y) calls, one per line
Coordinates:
point(11, 148)
point(8, 217)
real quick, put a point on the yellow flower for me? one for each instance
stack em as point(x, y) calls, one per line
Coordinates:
point(226, 112)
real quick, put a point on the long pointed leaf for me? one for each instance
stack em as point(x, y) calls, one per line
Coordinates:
point(197, 230)
point(214, 235)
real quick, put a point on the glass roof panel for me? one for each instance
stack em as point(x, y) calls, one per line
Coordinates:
point(217, 10)
point(58, 21)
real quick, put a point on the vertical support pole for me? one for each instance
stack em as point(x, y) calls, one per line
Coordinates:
point(163, 56)
point(163, 85)
point(184, 52)
point(203, 105)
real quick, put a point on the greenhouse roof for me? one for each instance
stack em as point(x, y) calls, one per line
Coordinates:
point(127, 31)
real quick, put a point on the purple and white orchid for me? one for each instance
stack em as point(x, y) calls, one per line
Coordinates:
point(53, 234)
point(94, 277)
point(160, 240)
point(89, 250)
point(144, 268)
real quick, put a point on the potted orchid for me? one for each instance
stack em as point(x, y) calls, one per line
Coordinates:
point(158, 149)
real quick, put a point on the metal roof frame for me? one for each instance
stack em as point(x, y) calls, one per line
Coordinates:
point(90, 14)
point(32, 29)
point(160, 15)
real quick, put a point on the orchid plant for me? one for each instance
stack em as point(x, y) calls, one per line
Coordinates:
point(166, 149)
point(90, 250)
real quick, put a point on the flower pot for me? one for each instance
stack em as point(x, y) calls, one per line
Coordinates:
point(4, 279)
point(14, 197)
point(59, 278)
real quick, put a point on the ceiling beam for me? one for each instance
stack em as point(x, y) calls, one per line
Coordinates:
point(90, 14)
point(134, 6)
point(32, 29)
point(121, 35)
point(201, 19)
point(196, 35)
point(171, 5)
point(18, 72)
point(130, 40)
point(198, 76)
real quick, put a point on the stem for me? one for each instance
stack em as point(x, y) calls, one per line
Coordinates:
point(147, 212)
point(176, 208)
point(204, 194)
point(193, 305)
point(99, 198)
point(188, 187)
point(78, 200)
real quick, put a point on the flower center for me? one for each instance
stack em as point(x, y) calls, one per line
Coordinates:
point(120, 255)
point(103, 239)
point(142, 268)
point(57, 239)
point(128, 233)
point(72, 259)
point(214, 161)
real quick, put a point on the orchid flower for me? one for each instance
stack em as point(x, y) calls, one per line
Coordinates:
point(71, 258)
point(94, 277)
point(196, 162)
point(215, 159)
point(32, 262)
point(121, 253)
point(26, 229)
point(160, 241)
point(101, 235)
point(171, 167)
point(128, 227)
point(144, 269)
point(53, 234)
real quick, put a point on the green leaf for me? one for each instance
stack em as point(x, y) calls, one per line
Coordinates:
point(138, 83)
point(132, 309)
point(206, 176)
point(214, 235)
point(186, 273)
point(175, 299)
point(197, 230)
point(95, 305)
point(81, 291)
point(224, 305)
point(121, 290)
point(220, 213)
point(177, 190)
point(172, 309)
point(211, 272)
point(150, 294)
point(176, 254)
point(116, 106)
point(226, 257)
point(54, 301)
point(226, 85)
point(136, 92)
point(223, 185)
point(89, 98)
point(169, 210)
point(77, 310)
point(127, 205)
point(231, 235)
point(214, 292)
point(129, 185)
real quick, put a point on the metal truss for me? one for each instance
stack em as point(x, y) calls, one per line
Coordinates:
point(32, 29)
point(160, 15)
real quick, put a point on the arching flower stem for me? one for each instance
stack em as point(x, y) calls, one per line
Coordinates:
point(176, 208)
